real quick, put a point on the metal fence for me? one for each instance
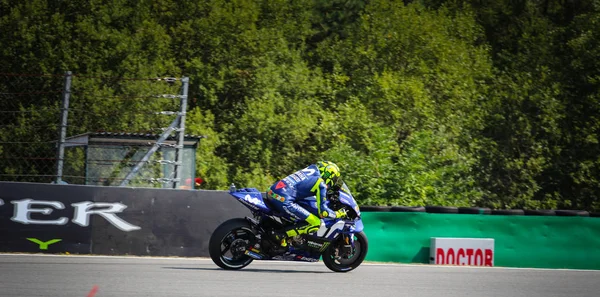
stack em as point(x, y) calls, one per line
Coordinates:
point(80, 129)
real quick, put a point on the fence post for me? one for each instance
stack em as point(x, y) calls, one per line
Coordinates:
point(179, 150)
point(60, 152)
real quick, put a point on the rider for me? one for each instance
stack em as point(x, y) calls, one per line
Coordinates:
point(313, 180)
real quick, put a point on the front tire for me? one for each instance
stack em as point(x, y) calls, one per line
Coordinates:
point(229, 242)
point(337, 262)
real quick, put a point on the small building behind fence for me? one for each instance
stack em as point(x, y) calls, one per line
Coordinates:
point(108, 159)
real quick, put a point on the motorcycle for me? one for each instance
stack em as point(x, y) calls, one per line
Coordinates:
point(341, 243)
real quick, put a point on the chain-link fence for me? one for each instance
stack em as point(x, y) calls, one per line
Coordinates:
point(94, 130)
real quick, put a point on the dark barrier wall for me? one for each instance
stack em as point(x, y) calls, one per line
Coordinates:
point(172, 222)
point(111, 220)
point(39, 218)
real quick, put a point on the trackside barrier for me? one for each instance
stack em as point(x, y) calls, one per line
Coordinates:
point(51, 218)
point(520, 241)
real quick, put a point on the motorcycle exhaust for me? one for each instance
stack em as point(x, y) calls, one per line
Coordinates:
point(253, 253)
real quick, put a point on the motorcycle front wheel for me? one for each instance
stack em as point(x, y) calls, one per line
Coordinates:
point(337, 260)
point(229, 242)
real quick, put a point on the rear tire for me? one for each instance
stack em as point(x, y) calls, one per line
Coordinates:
point(228, 243)
point(345, 263)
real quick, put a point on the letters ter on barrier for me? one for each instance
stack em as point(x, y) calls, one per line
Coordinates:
point(53, 218)
point(35, 218)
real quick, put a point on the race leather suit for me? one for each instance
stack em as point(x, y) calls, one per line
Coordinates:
point(297, 186)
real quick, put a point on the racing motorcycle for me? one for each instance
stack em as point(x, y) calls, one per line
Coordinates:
point(341, 243)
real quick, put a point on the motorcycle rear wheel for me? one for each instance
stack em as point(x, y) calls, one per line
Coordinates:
point(344, 263)
point(229, 242)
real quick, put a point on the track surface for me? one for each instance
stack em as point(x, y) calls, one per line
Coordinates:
point(65, 276)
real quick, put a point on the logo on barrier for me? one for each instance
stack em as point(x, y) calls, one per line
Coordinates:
point(43, 244)
point(82, 211)
point(473, 257)
point(462, 251)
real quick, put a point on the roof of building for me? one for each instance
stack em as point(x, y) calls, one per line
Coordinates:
point(125, 138)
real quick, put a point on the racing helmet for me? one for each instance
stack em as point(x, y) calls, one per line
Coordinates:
point(330, 173)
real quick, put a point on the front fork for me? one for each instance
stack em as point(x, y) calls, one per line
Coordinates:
point(347, 244)
point(348, 238)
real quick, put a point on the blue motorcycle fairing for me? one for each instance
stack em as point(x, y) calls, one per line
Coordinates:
point(349, 227)
point(355, 226)
point(252, 198)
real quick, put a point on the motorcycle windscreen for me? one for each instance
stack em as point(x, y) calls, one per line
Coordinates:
point(347, 199)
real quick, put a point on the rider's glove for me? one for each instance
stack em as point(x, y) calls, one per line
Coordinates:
point(340, 213)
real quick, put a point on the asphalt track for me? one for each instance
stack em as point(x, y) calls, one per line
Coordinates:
point(23, 275)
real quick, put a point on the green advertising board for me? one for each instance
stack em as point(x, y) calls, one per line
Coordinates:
point(520, 241)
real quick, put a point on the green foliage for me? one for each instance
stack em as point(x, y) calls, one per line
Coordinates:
point(211, 168)
point(539, 147)
point(435, 171)
point(445, 102)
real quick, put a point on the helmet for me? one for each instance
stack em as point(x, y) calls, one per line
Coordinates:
point(330, 173)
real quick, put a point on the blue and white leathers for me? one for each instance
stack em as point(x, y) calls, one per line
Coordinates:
point(305, 184)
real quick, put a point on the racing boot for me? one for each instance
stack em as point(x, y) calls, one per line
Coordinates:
point(279, 236)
